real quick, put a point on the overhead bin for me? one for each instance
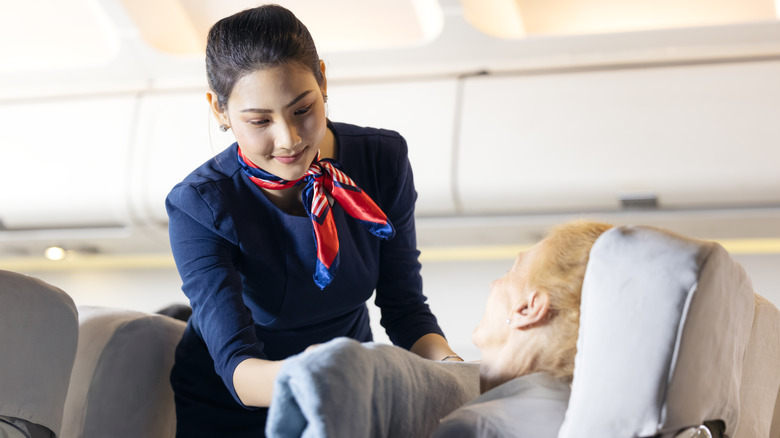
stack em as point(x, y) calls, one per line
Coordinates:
point(175, 133)
point(692, 136)
point(65, 162)
point(423, 111)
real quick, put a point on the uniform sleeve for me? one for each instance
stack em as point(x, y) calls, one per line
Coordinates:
point(405, 315)
point(204, 255)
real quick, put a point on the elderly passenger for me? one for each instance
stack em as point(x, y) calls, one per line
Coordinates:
point(527, 338)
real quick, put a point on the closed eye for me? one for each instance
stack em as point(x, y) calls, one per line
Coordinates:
point(302, 111)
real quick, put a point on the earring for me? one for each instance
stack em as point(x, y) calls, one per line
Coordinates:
point(224, 128)
point(325, 97)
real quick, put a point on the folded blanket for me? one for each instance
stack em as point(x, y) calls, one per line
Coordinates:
point(347, 389)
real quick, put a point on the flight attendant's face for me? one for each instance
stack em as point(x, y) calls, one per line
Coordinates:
point(277, 115)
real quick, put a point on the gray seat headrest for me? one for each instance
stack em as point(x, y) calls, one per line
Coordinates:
point(663, 331)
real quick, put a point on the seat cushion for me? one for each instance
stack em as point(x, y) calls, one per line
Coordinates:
point(761, 373)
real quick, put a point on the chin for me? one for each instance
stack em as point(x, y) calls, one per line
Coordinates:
point(290, 172)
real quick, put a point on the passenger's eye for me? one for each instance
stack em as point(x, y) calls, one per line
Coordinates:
point(304, 110)
point(259, 122)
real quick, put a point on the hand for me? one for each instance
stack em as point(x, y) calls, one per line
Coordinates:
point(434, 347)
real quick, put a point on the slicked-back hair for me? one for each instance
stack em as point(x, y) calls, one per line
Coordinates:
point(254, 39)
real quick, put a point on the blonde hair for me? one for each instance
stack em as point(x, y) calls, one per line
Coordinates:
point(558, 271)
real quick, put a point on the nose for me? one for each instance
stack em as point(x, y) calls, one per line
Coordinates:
point(475, 337)
point(287, 136)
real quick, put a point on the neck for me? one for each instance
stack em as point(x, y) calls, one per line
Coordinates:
point(523, 353)
point(328, 145)
point(288, 200)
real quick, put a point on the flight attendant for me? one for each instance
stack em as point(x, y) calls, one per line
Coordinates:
point(282, 238)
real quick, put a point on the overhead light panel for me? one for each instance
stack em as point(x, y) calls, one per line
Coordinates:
point(164, 25)
point(181, 26)
point(497, 18)
point(55, 35)
point(572, 17)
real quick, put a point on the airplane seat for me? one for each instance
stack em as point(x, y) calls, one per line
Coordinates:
point(34, 376)
point(120, 383)
point(775, 429)
point(665, 328)
point(760, 390)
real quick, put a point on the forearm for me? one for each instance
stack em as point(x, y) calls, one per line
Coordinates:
point(254, 381)
point(433, 346)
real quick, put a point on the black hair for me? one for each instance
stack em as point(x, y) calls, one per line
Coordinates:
point(262, 37)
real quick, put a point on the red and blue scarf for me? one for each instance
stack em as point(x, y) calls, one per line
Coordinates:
point(325, 177)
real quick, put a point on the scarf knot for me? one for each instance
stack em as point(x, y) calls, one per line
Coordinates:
point(324, 178)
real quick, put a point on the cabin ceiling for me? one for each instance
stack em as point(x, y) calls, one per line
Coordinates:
point(56, 35)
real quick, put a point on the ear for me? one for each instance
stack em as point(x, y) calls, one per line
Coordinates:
point(324, 86)
point(532, 310)
point(216, 108)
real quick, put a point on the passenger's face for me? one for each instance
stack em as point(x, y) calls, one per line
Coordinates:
point(492, 332)
point(277, 115)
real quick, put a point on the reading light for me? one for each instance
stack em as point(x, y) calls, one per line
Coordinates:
point(54, 253)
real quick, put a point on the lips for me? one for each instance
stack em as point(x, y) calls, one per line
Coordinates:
point(290, 158)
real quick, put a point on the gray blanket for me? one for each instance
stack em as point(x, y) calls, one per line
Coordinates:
point(347, 389)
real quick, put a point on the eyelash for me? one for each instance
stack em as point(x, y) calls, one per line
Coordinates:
point(303, 111)
point(298, 112)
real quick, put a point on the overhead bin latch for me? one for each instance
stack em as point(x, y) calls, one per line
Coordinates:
point(638, 201)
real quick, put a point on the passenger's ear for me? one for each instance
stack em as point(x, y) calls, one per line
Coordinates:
point(216, 108)
point(533, 309)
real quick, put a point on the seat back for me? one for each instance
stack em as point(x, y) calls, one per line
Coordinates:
point(38, 337)
point(760, 386)
point(663, 334)
point(775, 430)
point(120, 384)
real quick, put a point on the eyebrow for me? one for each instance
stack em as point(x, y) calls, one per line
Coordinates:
point(293, 102)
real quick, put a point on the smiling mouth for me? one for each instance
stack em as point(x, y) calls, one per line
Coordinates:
point(290, 158)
